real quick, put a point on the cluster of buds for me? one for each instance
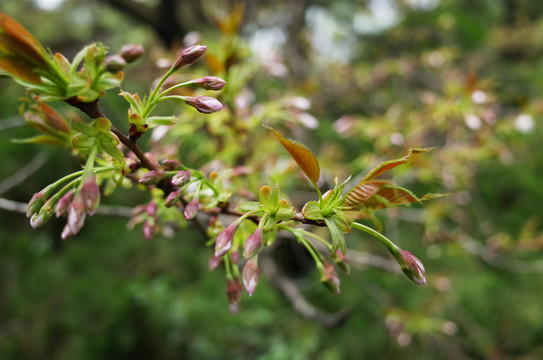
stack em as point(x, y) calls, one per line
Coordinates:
point(129, 53)
point(74, 203)
point(148, 215)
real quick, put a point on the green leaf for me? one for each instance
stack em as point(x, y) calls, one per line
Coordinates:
point(41, 139)
point(338, 239)
point(161, 120)
point(312, 211)
point(84, 128)
point(285, 211)
point(249, 206)
point(270, 197)
point(82, 141)
point(301, 154)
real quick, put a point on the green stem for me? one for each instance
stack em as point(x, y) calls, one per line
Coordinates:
point(305, 243)
point(393, 248)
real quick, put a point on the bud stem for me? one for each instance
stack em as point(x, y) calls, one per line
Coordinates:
point(393, 248)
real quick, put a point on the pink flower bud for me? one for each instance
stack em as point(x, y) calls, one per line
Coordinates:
point(191, 209)
point(209, 83)
point(172, 198)
point(412, 267)
point(114, 63)
point(63, 203)
point(131, 52)
point(341, 262)
point(253, 244)
point(90, 193)
point(170, 165)
point(250, 275)
point(148, 229)
point(214, 262)
point(204, 104)
point(329, 277)
point(181, 178)
point(36, 203)
point(234, 291)
point(234, 255)
point(189, 56)
point(76, 214)
point(224, 240)
point(152, 177)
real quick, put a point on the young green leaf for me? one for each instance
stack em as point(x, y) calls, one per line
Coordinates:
point(302, 155)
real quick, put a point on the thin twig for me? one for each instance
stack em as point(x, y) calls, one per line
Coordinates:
point(293, 294)
point(23, 173)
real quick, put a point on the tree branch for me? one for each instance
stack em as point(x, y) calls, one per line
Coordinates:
point(293, 294)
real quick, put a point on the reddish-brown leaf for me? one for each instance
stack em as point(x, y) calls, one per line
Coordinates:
point(391, 164)
point(15, 39)
point(302, 155)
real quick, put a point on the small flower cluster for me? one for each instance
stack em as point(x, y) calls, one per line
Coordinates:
point(73, 201)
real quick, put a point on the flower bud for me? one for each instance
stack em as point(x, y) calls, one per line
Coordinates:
point(40, 218)
point(172, 198)
point(63, 203)
point(341, 262)
point(250, 275)
point(189, 56)
point(412, 267)
point(152, 177)
point(76, 214)
point(204, 104)
point(234, 291)
point(209, 83)
point(149, 229)
point(191, 209)
point(214, 262)
point(131, 52)
point(36, 203)
point(114, 63)
point(253, 244)
point(329, 277)
point(171, 165)
point(224, 240)
point(90, 192)
point(181, 178)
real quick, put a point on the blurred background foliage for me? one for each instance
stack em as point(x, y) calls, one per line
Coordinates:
point(359, 82)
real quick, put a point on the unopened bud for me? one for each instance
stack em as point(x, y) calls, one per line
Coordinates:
point(341, 262)
point(329, 277)
point(152, 177)
point(114, 63)
point(412, 267)
point(76, 214)
point(250, 275)
point(204, 104)
point(90, 192)
point(189, 56)
point(253, 244)
point(224, 240)
point(214, 262)
point(40, 218)
point(171, 165)
point(36, 203)
point(181, 178)
point(234, 291)
point(149, 229)
point(209, 83)
point(191, 209)
point(63, 203)
point(172, 198)
point(131, 52)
